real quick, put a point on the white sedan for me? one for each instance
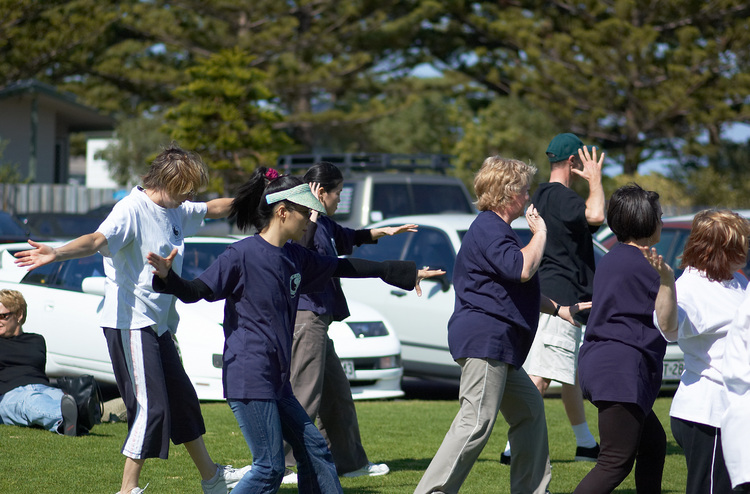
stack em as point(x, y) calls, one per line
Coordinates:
point(422, 323)
point(64, 300)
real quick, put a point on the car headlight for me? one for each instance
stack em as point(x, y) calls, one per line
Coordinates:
point(368, 329)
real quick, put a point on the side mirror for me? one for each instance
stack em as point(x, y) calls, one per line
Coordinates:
point(445, 283)
point(93, 285)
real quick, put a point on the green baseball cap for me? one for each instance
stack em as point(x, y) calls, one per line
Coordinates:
point(562, 146)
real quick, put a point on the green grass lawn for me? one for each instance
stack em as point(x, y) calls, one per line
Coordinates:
point(404, 434)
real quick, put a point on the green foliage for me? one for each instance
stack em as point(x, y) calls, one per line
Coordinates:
point(507, 127)
point(673, 195)
point(630, 75)
point(405, 434)
point(138, 141)
point(224, 113)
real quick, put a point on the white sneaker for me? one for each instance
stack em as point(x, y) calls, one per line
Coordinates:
point(290, 477)
point(225, 479)
point(370, 470)
point(136, 490)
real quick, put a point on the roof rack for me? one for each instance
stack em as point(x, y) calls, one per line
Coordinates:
point(367, 162)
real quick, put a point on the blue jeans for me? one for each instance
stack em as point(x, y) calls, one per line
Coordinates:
point(265, 425)
point(33, 404)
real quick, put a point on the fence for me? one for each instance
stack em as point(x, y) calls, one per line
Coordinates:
point(52, 198)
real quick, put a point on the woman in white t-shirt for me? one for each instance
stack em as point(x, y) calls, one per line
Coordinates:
point(138, 323)
point(708, 294)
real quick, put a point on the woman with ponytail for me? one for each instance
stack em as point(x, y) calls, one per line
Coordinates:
point(316, 369)
point(261, 279)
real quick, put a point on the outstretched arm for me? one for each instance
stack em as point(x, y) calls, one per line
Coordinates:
point(392, 230)
point(42, 254)
point(219, 208)
point(402, 274)
point(565, 312)
point(666, 299)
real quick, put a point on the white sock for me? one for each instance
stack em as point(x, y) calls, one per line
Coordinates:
point(507, 448)
point(584, 438)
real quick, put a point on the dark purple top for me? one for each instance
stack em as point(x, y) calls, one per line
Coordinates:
point(331, 239)
point(262, 284)
point(495, 315)
point(622, 353)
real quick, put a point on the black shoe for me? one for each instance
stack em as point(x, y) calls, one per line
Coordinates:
point(504, 458)
point(69, 410)
point(587, 454)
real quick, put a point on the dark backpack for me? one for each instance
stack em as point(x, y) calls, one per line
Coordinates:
point(88, 397)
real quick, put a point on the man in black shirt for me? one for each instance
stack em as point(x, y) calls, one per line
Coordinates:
point(567, 274)
point(26, 397)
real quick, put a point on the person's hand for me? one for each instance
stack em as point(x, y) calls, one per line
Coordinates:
point(315, 188)
point(423, 274)
point(535, 221)
point(666, 274)
point(568, 312)
point(161, 265)
point(40, 255)
point(592, 168)
point(376, 233)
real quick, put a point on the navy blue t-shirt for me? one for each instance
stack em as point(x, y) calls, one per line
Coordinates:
point(622, 354)
point(262, 284)
point(495, 314)
point(331, 239)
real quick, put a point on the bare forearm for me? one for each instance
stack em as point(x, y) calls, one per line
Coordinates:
point(532, 255)
point(219, 208)
point(666, 310)
point(595, 204)
point(83, 246)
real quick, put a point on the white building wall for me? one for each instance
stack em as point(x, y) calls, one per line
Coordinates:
point(97, 170)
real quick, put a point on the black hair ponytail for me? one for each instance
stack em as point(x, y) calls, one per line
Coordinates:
point(250, 207)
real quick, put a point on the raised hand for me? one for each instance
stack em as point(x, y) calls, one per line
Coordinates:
point(534, 219)
point(161, 265)
point(592, 167)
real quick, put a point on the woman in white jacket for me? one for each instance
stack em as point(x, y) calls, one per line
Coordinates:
point(708, 294)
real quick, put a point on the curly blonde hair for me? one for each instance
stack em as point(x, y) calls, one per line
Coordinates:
point(717, 244)
point(500, 180)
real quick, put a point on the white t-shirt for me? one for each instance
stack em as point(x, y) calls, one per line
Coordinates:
point(135, 227)
point(735, 435)
point(706, 310)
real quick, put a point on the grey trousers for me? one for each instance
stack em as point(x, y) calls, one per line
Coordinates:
point(488, 386)
point(321, 387)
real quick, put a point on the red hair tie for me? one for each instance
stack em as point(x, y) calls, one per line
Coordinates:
point(272, 174)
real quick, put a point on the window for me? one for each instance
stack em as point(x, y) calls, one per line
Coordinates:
point(435, 198)
point(431, 247)
point(73, 272)
point(199, 256)
point(387, 248)
point(391, 200)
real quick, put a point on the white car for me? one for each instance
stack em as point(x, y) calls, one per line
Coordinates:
point(64, 300)
point(422, 323)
